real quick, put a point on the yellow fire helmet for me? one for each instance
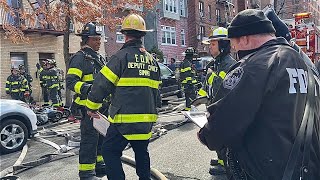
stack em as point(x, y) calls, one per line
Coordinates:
point(134, 22)
point(218, 34)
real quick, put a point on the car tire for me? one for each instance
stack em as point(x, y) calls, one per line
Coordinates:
point(12, 129)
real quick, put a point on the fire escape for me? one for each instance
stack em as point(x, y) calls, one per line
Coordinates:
point(228, 9)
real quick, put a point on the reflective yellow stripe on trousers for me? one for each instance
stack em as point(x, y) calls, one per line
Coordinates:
point(87, 167)
point(138, 136)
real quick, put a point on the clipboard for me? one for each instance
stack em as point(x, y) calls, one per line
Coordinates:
point(197, 117)
point(102, 124)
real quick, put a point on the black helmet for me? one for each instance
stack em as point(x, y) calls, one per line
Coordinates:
point(190, 51)
point(91, 29)
point(21, 67)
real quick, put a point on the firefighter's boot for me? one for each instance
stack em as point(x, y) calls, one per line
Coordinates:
point(90, 178)
point(101, 170)
point(217, 170)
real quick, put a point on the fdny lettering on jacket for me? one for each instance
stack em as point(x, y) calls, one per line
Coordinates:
point(297, 76)
point(299, 81)
point(145, 63)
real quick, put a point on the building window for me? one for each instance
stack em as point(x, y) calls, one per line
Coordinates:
point(202, 32)
point(18, 58)
point(218, 15)
point(183, 37)
point(201, 8)
point(182, 8)
point(170, 6)
point(168, 35)
point(119, 35)
point(209, 11)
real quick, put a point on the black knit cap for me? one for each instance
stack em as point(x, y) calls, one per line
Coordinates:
point(250, 22)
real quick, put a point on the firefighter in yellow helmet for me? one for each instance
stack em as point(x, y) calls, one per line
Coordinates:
point(83, 68)
point(217, 69)
point(132, 78)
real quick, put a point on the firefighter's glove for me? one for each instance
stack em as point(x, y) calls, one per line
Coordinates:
point(8, 92)
point(93, 114)
point(38, 66)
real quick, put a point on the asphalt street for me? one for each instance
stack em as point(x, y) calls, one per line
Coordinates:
point(177, 154)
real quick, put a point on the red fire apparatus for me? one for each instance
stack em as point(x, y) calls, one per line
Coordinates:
point(306, 35)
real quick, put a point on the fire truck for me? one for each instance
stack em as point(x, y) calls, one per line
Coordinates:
point(306, 35)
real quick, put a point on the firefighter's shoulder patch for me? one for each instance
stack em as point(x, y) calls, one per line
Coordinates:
point(233, 78)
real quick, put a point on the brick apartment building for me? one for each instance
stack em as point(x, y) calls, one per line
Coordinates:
point(43, 43)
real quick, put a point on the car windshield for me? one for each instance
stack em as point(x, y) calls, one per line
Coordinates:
point(165, 71)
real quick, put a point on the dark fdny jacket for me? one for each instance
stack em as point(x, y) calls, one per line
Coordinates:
point(84, 65)
point(16, 84)
point(49, 78)
point(219, 67)
point(261, 112)
point(187, 75)
point(132, 77)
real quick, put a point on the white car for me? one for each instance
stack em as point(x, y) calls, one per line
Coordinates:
point(18, 123)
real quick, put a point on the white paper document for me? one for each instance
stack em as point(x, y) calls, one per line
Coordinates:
point(102, 124)
point(197, 117)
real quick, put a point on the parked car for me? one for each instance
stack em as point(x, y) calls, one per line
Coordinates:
point(170, 85)
point(18, 123)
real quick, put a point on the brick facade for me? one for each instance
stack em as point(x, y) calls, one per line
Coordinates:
point(173, 51)
point(195, 20)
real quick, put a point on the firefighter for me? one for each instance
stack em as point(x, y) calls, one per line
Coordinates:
point(217, 69)
point(43, 85)
point(16, 85)
point(50, 81)
point(59, 78)
point(132, 77)
point(219, 48)
point(83, 67)
point(29, 79)
point(263, 104)
point(187, 77)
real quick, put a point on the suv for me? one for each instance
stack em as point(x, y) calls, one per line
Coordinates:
point(170, 85)
point(18, 123)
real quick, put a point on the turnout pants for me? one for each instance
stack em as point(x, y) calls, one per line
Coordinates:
point(190, 95)
point(90, 158)
point(45, 95)
point(54, 96)
point(113, 145)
